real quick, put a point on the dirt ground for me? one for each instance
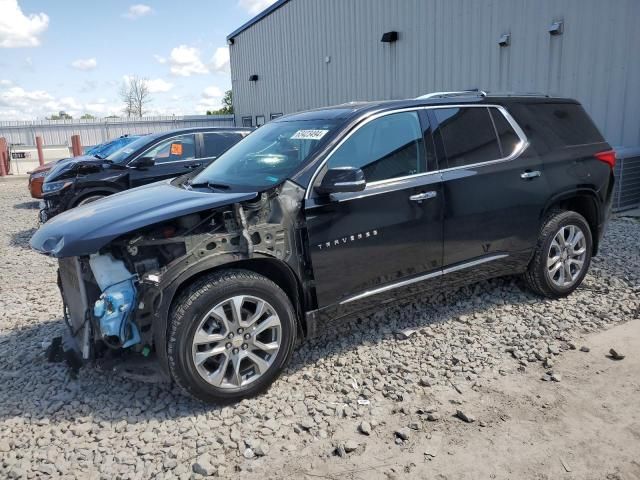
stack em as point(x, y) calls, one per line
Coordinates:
point(338, 410)
point(587, 426)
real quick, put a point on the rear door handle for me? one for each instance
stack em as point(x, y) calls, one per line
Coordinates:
point(530, 174)
point(418, 197)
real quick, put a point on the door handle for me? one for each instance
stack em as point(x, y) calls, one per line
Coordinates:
point(530, 174)
point(193, 165)
point(418, 197)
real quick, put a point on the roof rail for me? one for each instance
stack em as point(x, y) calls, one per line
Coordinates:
point(459, 93)
point(520, 94)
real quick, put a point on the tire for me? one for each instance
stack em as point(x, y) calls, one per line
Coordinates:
point(89, 199)
point(552, 279)
point(206, 308)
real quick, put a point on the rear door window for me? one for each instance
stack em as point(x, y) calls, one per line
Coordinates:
point(509, 139)
point(217, 143)
point(174, 149)
point(468, 135)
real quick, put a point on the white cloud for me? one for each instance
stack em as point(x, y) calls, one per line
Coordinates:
point(160, 59)
point(255, 6)
point(158, 85)
point(212, 92)
point(220, 60)
point(185, 61)
point(18, 29)
point(6, 83)
point(16, 103)
point(18, 96)
point(85, 64)
point(211, 99)
point(138, 10)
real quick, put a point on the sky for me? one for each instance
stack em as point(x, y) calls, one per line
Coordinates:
point(74, 55)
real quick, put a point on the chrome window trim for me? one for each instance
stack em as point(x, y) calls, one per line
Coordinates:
point(164, 139)
point(520, 148)
point(410, 281)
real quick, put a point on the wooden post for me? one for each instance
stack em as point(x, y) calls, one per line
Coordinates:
point(76, 146)
point(40, 153)
point(3, 157)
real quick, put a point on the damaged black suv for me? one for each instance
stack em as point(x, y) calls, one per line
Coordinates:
point(327, 213)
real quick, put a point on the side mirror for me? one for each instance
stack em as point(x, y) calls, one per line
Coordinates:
point(145, 162)
point(342, 179)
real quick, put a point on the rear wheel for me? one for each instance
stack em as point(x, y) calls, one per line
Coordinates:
point(230, 335)
point(563, 255)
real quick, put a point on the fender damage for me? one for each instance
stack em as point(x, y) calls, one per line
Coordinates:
point(118, 281)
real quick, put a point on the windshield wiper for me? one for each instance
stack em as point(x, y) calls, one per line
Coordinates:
point(98, 156)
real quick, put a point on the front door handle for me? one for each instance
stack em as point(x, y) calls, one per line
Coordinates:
point(530, 174)
point(193, 165)
point(418, 197)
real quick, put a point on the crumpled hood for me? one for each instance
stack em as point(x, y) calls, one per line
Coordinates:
point(64, 167)
point(84, 230)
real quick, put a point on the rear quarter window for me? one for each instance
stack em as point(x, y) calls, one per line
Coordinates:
point(565, 124)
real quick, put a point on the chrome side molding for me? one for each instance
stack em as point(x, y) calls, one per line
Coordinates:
point(428, 276)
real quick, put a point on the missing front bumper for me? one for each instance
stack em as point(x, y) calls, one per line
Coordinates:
point(76, 304)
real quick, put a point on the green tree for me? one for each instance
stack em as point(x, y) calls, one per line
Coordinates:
point(87, 116)
point(60, 116)
point(227, 105)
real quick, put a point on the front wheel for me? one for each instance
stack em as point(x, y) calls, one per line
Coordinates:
point(562, 256)
point(90, 199)
point(230, 335)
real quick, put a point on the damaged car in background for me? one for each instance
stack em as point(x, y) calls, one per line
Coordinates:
point(324, 214)
point(81, 180)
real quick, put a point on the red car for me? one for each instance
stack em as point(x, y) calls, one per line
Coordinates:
point(36, 178)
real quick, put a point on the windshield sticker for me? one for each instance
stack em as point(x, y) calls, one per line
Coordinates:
point(309, 134)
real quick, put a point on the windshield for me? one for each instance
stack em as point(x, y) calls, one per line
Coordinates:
point(122, 155)
point(105, 149)
point(267, 156)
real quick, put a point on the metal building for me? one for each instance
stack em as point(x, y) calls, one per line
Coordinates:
point(301, 54)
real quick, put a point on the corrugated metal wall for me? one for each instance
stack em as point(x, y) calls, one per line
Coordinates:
point(443, 45)
point(93, 132)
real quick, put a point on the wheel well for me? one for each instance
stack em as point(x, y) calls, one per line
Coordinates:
point(90, 193)
point(586, 206)
point(275, 270)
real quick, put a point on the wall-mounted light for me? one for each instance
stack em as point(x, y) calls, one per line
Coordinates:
point(504, 40)
point(253, 78)
point(389, 37)
point(556, 28)
point(231, 41)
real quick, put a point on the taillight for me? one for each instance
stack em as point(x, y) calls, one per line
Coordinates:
point(608, 157)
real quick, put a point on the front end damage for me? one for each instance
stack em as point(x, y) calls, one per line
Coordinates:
point(117, 301)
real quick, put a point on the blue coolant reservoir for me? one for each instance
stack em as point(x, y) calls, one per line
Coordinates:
point(114, 309)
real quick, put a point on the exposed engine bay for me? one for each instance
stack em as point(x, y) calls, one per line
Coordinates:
point(119, 297)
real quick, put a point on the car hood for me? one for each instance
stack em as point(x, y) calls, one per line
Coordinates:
point(66, 166)
point(46, 167)
point(84, 230)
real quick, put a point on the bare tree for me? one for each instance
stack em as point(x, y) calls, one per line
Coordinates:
point(135, 95)
point(127, 98)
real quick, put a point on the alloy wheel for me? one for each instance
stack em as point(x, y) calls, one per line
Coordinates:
point(237, 341)
point(566, 257)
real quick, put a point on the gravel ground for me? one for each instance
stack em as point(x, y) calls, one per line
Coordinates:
point(359, 382)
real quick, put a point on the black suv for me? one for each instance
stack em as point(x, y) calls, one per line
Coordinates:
point(82, 180)
point(322, 214)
